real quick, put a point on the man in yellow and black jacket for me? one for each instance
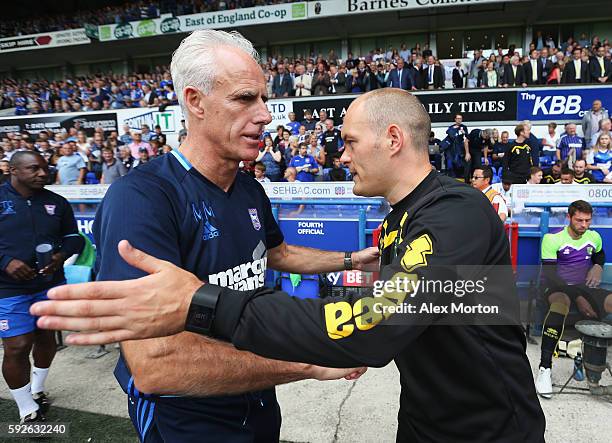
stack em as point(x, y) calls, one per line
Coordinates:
point(518, 159)
point(463, 379)
point(459, 382)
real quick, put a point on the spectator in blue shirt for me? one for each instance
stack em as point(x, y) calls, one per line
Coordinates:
point(135, 93)
point(71, 168)
point(146, 133)
point(126, 137)
point(292, 125)
point(305, 165)
point(271, 157)
point(570, 145)
point(20, 104)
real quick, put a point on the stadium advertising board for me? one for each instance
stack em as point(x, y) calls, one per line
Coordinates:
point(488, 105)
point(80, 192)
point(244, 17)
point(88, 121)
point(340, 235)
point(344, 7)
point(169, 120)
point(274, 190)
point(208, 20)
point(324, 190)
point(44, 40)
point(597, 193)
point(561, 103)
point(279, 109)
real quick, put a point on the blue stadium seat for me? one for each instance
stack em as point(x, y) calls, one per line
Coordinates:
point(90, 179)
point(326, 174)
point(546, 161)
point(606, 278)
point(496, 177)
point(308, 287)
point(77, 274)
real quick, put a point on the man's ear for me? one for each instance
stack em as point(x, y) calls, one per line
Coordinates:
point(395, 139)
point(193, 101)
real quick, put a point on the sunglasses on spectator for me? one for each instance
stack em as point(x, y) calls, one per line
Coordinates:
point(475, 177)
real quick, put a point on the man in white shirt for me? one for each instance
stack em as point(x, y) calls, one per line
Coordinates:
point(600, 68)
point(576, 71)
point(533, 69)
point(303, 82)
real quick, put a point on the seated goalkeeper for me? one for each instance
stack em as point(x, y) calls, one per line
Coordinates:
point(572, 265)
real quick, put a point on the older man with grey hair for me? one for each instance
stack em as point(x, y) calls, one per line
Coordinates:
point(591, 122)
point(605, 127)
point(478, 143)
point(193, 208)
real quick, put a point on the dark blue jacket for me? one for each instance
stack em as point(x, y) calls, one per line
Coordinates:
point(535, 144)
point(404, 83)
point(45, 217)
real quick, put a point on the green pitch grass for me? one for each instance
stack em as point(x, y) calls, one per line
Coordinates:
point(85, 427)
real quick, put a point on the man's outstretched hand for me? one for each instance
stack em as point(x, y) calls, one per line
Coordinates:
point(113, 311)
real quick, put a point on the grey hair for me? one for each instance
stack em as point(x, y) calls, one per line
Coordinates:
point(194, 63)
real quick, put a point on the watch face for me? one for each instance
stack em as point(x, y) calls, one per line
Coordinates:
point(200, 317)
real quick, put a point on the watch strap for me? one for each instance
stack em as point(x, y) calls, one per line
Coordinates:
point(348, 261)
point(202, 309)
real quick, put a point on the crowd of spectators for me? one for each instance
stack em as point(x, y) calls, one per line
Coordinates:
point(93, 93)
point(310, 150)
point(411, 69)
point(418, 68)
point(75, 158)
point(518, 156)
point(129, 11)
point(571, 62)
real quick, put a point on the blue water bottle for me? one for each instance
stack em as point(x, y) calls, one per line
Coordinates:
point(578, 368)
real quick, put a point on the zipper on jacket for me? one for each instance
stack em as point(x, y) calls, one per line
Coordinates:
point(35, 236)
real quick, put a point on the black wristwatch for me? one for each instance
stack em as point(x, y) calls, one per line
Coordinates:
point(202, 309)
point(348, 262)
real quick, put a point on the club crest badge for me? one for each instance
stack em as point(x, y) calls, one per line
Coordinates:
point(255, 218)
point(50, 209)
point(4, 325)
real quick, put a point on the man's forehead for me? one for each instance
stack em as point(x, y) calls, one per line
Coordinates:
point(354, 120)
point(29, 161)
point(244, 78)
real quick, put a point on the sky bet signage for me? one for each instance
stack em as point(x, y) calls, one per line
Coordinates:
point(561, 103)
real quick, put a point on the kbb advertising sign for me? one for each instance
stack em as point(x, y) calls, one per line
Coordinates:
point(561, 103)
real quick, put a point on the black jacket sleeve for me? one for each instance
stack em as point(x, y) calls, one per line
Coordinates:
point(599, 258)
point(347, 331)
